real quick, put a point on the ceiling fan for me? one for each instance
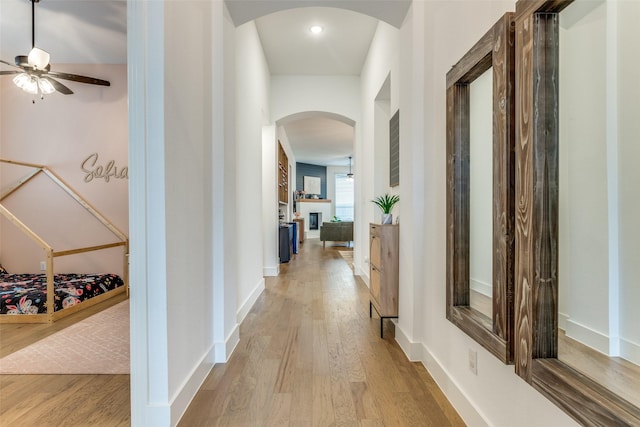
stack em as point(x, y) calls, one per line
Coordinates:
point(34, 74)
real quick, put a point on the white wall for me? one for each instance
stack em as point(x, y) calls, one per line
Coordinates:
point(583, 222)
point(628, 104)
point(444, 31)
point(598, 231)
point(382, 116)
point(299, 94)
point(252, 112)
point(481, 184)
point(188, 192)
point(181, 193)
point(60, 132)
point(270, 204)
point(372, 150)
point(224, 302)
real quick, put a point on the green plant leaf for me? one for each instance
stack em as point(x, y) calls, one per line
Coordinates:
point(386, 202)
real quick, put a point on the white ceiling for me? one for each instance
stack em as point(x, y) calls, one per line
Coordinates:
point(72, 31)
point(94, 31)
point(320, 139)
point(291, 48)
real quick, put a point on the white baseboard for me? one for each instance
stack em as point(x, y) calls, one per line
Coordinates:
point(587, 336)
point(412, 350)
point(157, 415)
point(562, 321)
point(181, 400)
point(223, 350)
point(418, 352)
point(271, 271)
point(630, 350)
point(245, 307)
point(481, 287)
point(364, 275)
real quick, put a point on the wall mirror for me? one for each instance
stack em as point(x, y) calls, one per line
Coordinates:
point(480, 190)
point(577, 328)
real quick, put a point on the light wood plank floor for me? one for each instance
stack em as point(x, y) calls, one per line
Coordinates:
point(60, 400)
point(309, 355)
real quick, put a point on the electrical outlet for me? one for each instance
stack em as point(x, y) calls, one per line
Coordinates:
point(43, 265)
point(366, 260)
point(473, 361)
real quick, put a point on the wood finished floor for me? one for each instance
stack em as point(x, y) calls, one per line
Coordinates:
point(309, 355)
point(60, 400)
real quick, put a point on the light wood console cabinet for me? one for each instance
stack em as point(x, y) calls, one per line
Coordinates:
point(383, 270)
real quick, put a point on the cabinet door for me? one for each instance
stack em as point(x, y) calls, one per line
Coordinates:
point(375, 286)
point(374, 248)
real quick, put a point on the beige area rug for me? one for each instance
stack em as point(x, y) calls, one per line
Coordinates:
point(96, 345)
point(348, 257)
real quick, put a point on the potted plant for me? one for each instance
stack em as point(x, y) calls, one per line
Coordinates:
point(386, 204)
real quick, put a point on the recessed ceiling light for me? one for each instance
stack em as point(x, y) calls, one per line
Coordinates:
point(316, 29)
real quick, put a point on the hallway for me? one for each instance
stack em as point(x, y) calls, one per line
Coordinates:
point(309, 355)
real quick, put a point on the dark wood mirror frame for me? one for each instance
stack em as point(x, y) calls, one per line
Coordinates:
point(536, 316)
point(494, 50)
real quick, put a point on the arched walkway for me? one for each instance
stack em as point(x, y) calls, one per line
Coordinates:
point(392, 12)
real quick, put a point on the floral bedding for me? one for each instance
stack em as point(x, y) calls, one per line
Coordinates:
point(27, 293)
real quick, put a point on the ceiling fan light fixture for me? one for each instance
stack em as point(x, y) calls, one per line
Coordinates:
point(36, 67)
point(38, 58)
point(26, 82)
point(45, 86)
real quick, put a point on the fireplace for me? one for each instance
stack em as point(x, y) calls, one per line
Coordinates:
point(314, 220)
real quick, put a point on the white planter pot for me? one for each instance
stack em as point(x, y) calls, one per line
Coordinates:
point(387, 218)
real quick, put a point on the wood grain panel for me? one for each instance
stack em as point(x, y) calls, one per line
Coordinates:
point(583, 399)
point(524, 178)
point(545, 183)
point(503, 178)
point(384, 243)
point(495, 50)
point(475, 62)
point(536, 267)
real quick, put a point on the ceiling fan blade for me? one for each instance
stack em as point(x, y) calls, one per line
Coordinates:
point(9, 63)
point(77, 78)
point(4, 73)
point(58, 86)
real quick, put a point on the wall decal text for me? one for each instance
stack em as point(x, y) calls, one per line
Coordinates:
point(93, 170)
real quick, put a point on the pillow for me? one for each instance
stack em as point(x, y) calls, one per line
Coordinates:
point(3, 270)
